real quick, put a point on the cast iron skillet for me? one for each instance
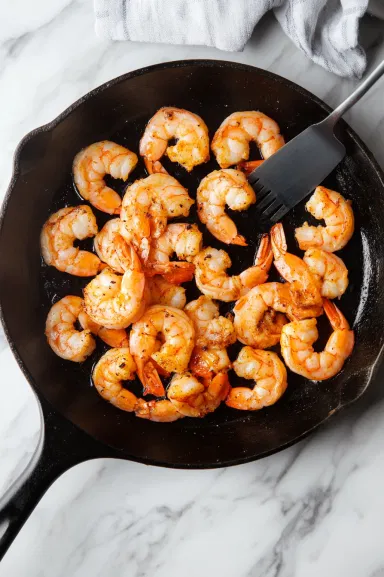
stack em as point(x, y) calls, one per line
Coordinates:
point(77, 424)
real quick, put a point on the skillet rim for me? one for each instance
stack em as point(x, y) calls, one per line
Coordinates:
point(50, 126)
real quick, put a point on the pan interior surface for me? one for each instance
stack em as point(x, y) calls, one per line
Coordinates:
point(43, 184)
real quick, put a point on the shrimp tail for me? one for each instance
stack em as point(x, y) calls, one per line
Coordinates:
point(128, 257)
point(279, 243)
point(219, 386)
point(248, 166)
point(335, 316)
point(264, 254)
point(149, 376)
point(239, 240)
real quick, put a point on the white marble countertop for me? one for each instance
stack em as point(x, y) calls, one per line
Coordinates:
point(314, 509)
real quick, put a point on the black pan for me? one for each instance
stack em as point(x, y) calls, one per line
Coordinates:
point(77, 424)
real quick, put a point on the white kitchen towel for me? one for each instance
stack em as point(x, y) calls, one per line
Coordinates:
point(327, 31)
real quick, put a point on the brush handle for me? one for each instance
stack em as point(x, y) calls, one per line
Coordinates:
point(355, 96)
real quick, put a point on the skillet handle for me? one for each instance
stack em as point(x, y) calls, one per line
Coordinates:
point(61, 446)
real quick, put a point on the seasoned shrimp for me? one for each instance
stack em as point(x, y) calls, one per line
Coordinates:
point(114, 367)
point(105, 246)
point(163, 292)
point(162, 339)
point(296, 345)
point(330, 269)
point(185, 240)
point(193, 398)
point(190, 131)
point(213, 281)
point(58, 235)
point(213, 334)
point(63, 338)
point(91, 165)
point(115, 301)
point(257, 321)
point(304, 285)
point(269, 374)
point(147, 204)
point(337, 213)
point(218, 189)
point(231, 141)
point(115, 338)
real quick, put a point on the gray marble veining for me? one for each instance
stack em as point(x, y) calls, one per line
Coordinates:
point(314, 509)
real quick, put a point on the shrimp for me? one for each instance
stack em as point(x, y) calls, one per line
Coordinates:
point(58, 235)
point(163, 340)
point(231, 141)
point(190, 131)
point(163, 292)
point(330, 269)
point(213, 334)
point(296, 345)
point(269, 374)
point(104, 243)
point(91, 165)
point(115, 301)
point(337, 213)
point(147, 204)
point(304, 285)
point(114, 367)
point(116, 338)
point(213, 281)
point(257, 321)
point(185, 240)
point(193, 398)
point(63, 338)
point(224, 187)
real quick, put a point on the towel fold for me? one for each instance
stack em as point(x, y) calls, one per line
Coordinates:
point(327, 31)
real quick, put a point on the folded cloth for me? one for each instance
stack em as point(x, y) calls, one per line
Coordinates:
point(325, 30)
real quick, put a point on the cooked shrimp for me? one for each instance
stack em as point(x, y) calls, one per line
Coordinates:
point(162, 411)
point(218, 189)
point(63, 338)
point(115, 301)
point(58, 235)
point(231, 141)
point(116, 338)
point(296, 345)
point(213, 334)
point(91, 165)
point(337, 213)
point(193, 398)
point(114, 367)
point(104, 243)
point(331, 271)
point(163, 292)
point(163, 338)
point(269, 374)
point(211, 329)
point(304, 285)
point(213, 281)
point(257, 321)
point(190, 131)
point(185, 240)
point(147, 204)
